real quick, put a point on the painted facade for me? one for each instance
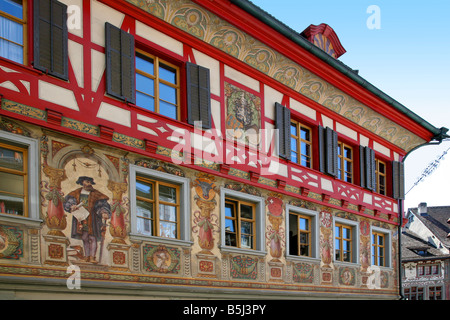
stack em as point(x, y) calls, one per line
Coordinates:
point(86, 151)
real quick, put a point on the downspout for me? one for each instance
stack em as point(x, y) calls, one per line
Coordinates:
point(437, 139)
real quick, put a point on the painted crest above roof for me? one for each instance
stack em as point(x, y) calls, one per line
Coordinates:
point(324, 37)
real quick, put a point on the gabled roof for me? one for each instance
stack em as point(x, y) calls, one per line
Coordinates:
point(412, 245)
point(435, 220)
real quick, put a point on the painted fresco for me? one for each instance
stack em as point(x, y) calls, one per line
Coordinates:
point(243, 116)
point(217, 32)
point(86, 222)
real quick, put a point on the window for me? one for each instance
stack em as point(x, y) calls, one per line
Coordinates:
point(345, 162)
point(301, 144)
point(158, 208)
point(13, 180)
point(378, 249)
point(51, 38)
point(299, 235)
point(13, 30)
point(435, 293)
point(239, 224)
point(19, 177)
point(343, 244)
point(137, 77)
point(413, 293)
point(243, 216)
point(380, 177)
point(160, 205)
point(157, 85)
point(302, 239)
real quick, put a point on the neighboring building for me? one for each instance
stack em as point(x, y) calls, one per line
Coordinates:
point(425, 253)
point(181, 149)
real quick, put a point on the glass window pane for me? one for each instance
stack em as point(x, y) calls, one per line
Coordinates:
point(12, 183)
point(145, 101)
point(11, 159)
point(246, 211)
point(168, 194)
point(168, 213)
point(167, 93)
point(144, 64)
point(306, 134)
point(230, 239)
point(294, 157)
point(347, 233)
point(247, 241)
point(246, 227)
point(168, 110)
point(12, 7)
point(304, 224)
point(11, 204)
point(293, 145)
point(145, 84)
point(229, 210)
point(294, 129)
point(168, 229)
point(230, 225)
point(144, 189)
point(144, 209)
point(337, 231)
point(167, 73)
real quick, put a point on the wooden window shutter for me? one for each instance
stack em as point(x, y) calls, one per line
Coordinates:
point(367, 167)
point(198, 95)
point(328, 144)
point(398, 180)
point(51, 38)
point(283, 125)
point(120, 69)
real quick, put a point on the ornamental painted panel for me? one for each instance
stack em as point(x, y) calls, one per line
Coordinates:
point(161, 259)
point(11, 242)
point(243, 115)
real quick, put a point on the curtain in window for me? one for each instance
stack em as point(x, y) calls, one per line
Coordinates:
point(11, 40)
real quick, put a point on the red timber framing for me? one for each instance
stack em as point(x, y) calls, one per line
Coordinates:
point(89, 101)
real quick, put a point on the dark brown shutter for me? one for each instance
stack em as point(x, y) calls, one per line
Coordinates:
point(198, 95)
point(120, 69)
point(283, 125)
point(50, 38)
point(328, 144)
point(398, 180)
point(367, 168)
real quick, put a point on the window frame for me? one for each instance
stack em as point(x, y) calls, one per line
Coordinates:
point(299, 142)
point(184, 209)
point(238, 219)
point(33, 174)
point(378, 175)
point(156, 231)
point(24, 22)
point(354, 225)
point(259, 229)
point(342, 160)
point(314, 225)
point(157, 60)
point(387, 245)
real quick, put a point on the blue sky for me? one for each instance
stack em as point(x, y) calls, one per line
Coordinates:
point(408, 58)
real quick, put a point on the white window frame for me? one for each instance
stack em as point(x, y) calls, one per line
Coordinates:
point(185, 206)
point(32, 145)
point(387, 246)
point(314, 215)
point(260, 221)
point(355, 241)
